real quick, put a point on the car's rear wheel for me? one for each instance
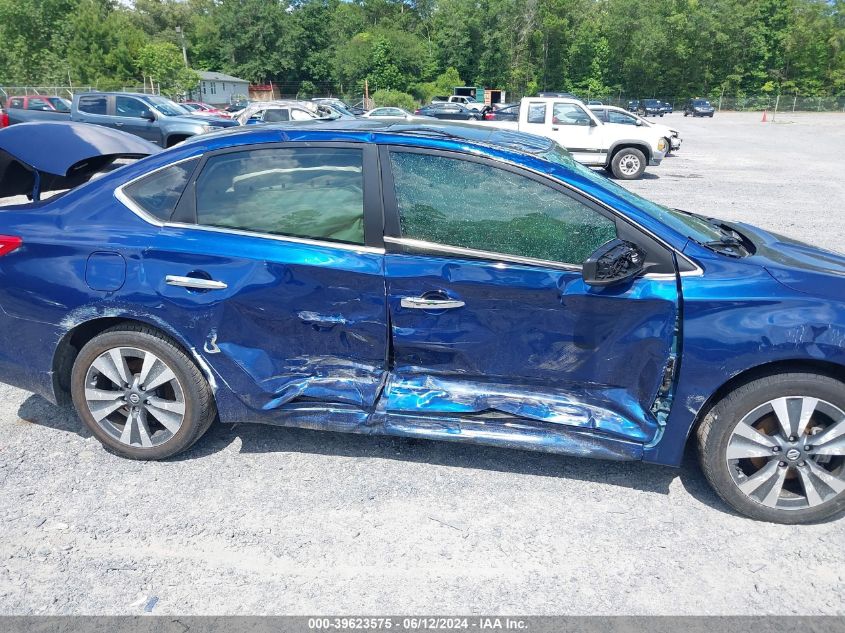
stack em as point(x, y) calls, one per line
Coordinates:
point(774, 449)
point(140, 394)
point(628, 164)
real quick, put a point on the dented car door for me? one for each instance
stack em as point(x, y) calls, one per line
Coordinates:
point(286, 298)
point(490, 315)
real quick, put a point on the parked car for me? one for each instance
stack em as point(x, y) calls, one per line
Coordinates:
point(651, 107)
point(505, 112)
point(389, 112)
point(340, 105)
point(237, 106)
point(620, 116)
point(699, 107)
point(633, 105)
point(594, 102)
point(203, 109)
point(287, 110)
point(272, 293)
point(666, 107)
point(625, 151)
point(4, 119)
point(468, 102)
point(29, 108)
point(449, 111)
point(154, 118)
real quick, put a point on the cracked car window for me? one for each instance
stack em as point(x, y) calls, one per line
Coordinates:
point(467, 204)
point(315, 193)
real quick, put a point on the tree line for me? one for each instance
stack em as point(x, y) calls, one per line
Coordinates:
point(646, 48)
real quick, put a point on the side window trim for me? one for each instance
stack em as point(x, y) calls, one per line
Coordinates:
point(186, 210)
point(395, 243)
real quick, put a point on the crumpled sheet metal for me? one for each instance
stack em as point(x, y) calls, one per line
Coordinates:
point(589, 409)
point(327, 379)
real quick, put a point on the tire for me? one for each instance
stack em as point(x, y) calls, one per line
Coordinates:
point(163, 424)
point(711, 116)
point(784, 480)
point(686, 113)
point(628, 163)
point(668, 145)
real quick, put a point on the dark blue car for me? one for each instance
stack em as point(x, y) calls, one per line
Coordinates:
point(434, 281)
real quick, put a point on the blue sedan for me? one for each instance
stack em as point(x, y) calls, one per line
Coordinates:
point(425, 280)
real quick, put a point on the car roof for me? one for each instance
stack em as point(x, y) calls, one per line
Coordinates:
point(420, 127)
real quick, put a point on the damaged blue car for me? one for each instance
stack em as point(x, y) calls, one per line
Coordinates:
point(423, 280)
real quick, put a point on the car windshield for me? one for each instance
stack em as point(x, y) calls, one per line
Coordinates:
point(701, 102)
point(166, 106)
point(61, 105)
point(651, 102)
point(693, 226)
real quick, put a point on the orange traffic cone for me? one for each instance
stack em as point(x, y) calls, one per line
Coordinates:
point(764, 117)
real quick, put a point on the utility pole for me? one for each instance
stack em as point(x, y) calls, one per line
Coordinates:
point(184, 50)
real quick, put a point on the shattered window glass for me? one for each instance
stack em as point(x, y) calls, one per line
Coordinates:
point(159, 193)
point(313, 193)
point(467, 204)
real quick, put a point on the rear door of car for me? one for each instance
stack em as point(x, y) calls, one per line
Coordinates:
point(489, 312)
point(271, 267)
point(93, 108)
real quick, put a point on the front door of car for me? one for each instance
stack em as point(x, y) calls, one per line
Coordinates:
point(269, 269)
point(488, 309)
point(129, 116)
point(575, 129)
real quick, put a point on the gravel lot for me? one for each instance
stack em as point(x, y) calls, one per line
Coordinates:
point(266, 520)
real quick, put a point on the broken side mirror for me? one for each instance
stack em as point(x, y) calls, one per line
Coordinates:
point(613, 262)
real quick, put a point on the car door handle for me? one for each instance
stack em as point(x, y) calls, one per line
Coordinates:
point(555, 129)
point(118, 124)
point(422, 303)
point(197, 283)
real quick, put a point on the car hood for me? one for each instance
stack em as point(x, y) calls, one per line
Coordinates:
point(197, 119)
point(799, 266)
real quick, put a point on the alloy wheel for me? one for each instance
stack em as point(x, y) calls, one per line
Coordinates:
point(135, 397)
point(789, 453)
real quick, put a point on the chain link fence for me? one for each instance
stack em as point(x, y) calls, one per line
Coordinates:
point(354, 95)
point(738, 103)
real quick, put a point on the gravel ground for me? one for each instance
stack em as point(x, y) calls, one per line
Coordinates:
point(267, 520)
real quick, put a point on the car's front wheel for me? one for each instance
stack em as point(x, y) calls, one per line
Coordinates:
point(628, 164)
point(140, 394)
point(774, 448)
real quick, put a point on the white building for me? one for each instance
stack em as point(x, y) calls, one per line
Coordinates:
point(219, 88)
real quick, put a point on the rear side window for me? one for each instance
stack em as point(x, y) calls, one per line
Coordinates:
point(507, 213)
point(159, 193)
point(537, 113)
point(315, 193)
point(16, 103)
point(93, 104)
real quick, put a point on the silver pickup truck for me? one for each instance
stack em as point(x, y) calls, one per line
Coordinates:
point(154, 118)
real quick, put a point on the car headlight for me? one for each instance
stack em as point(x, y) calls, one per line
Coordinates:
point(210, 128)
point(661, 145)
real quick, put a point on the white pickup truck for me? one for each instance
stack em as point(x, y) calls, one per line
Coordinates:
point(468, 102)
point(625, 150)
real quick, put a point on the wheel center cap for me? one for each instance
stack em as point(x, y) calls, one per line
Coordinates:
point(792, 454)
point(134, 398)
